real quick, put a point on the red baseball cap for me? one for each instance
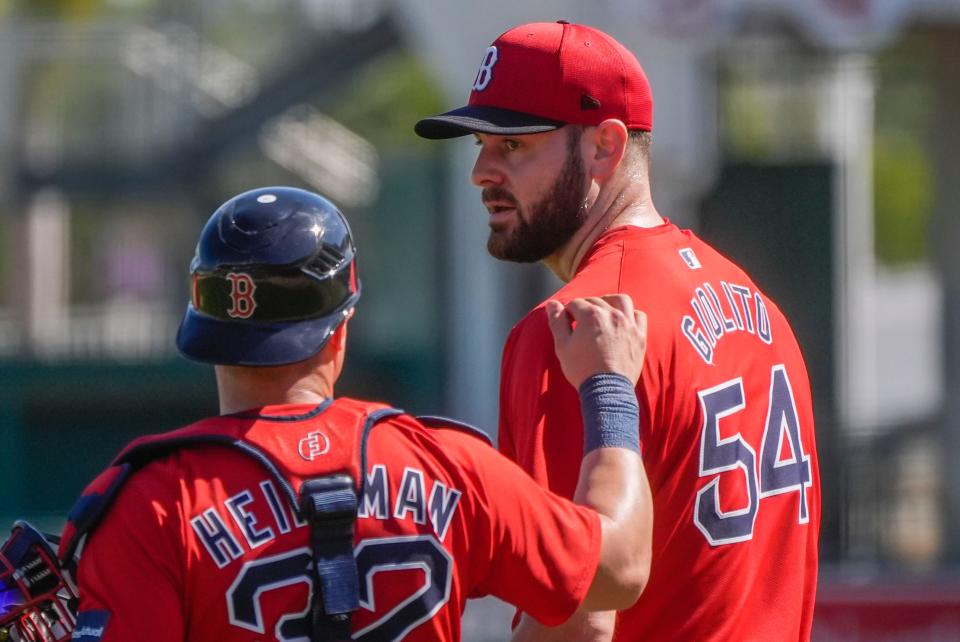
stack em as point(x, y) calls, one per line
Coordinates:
point(543, 75)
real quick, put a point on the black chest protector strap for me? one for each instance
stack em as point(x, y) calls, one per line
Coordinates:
point(329, 504)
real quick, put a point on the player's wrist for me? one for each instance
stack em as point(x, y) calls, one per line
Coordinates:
point(611, 414)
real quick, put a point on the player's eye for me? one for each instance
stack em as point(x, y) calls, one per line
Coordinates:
point(511, 145)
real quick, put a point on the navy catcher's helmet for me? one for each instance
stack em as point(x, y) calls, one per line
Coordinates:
point(273, 277)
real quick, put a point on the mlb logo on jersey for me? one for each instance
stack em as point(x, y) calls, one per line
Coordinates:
point(690, 258)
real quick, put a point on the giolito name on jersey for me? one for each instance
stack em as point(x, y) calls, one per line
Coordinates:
point(713, 318)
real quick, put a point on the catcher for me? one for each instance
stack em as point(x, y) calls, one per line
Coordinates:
point(299, 515)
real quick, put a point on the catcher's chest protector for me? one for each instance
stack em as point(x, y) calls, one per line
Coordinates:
point(323, 492)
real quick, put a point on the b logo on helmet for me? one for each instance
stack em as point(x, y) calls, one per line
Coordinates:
point(485, 73)
point(242, 288)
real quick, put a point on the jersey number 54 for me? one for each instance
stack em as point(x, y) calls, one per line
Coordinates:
point(773, 476)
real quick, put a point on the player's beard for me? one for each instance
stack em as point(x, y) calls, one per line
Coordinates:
point(551, 222)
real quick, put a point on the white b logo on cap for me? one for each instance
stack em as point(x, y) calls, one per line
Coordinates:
point(485, 73)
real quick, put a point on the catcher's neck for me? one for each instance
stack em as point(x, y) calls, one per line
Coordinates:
point(306, 382)
point(242, 388)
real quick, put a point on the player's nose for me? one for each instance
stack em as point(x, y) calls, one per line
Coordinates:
point(485, 169)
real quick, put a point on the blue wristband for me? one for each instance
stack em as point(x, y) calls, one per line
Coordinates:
point(611, 414)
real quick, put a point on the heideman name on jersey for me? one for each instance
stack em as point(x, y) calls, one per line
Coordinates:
point(740, 310)
point(411, 502)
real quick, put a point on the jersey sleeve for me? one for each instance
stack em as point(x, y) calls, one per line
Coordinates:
point(541, 550)
point(505, 428)
point(540, 410)
point(130, 569)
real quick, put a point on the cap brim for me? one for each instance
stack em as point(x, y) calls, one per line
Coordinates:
point(237, 343)
point(485, 120)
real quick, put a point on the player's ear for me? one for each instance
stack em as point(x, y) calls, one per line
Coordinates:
point(608, 145)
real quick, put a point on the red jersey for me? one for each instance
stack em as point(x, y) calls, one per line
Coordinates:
point(727, 438)
point(201, 544)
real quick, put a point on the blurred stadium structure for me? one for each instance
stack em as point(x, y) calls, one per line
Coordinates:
point(815, 141)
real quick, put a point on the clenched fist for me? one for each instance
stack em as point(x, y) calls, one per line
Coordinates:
point(598, 334)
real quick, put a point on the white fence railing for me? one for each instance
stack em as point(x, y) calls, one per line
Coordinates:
point(120, 331)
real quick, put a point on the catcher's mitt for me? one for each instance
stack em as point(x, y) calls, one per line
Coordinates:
point(37, 603)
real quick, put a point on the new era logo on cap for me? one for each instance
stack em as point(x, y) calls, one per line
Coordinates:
point(589, 102)
point(540, 76)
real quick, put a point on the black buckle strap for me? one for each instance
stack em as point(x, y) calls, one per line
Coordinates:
point(329, 504)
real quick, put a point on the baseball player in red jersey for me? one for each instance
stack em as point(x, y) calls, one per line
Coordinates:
point(562, 116)
point(296, 515)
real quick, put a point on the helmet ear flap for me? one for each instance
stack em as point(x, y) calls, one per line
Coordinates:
point(37, 601)
point(338, 337)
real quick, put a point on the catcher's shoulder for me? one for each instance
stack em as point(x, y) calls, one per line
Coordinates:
point(437, 422)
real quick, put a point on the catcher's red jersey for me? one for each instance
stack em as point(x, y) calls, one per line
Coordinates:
point(201, 544)
point(728, 438)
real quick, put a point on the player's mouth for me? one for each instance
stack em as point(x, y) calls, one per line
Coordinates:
point(500, 212)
